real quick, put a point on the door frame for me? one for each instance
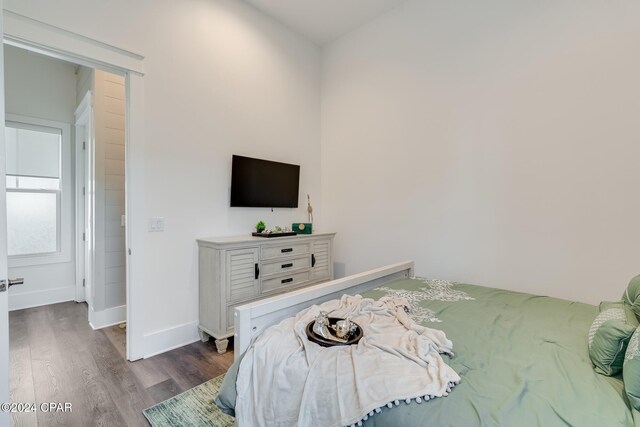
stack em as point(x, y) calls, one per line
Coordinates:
point(84, 211)
point(49, 40)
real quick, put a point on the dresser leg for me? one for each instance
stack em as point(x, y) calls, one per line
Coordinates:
point(221, 345)
point(204, 337)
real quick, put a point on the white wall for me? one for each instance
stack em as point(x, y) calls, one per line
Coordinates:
point(492, 142)
point(43, 88)
point(220, 79)
point(38, 86)
point(84, 82)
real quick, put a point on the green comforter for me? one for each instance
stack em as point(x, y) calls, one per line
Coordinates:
point(523, 361)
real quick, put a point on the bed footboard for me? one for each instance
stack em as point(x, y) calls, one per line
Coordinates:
point(250, 319)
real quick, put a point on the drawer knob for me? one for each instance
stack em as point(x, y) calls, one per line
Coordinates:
point(290, 279)
point(285, 250)
point(287, 265)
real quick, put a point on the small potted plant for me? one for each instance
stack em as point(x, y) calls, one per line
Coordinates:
point(260, 226)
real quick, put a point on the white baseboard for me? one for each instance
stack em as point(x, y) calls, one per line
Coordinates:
point(19, 301)
point(170, 338)
point(107, 317)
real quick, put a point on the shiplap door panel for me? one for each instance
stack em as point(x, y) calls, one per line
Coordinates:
point(109, 112)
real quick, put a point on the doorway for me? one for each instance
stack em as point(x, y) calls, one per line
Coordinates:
point(36, 36)
point(99, 264)
point(73, 164)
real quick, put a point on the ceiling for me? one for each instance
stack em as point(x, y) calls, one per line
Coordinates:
point(322, 21)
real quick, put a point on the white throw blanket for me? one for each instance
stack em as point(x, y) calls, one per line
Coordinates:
point(286, 380)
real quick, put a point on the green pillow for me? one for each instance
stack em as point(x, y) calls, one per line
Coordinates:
point(632, 294)
point(609, 336)
point(631, 370)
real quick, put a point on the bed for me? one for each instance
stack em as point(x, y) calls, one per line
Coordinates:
point(522, 359)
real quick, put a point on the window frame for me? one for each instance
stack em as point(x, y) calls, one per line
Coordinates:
point(65, 195)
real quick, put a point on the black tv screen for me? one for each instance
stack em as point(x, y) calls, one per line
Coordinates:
point(260, 183)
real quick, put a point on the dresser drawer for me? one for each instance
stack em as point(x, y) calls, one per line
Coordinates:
point(290, 250)
point(285, 265)
point(286, 281)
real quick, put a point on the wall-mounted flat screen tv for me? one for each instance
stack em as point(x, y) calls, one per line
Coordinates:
point(258, 183)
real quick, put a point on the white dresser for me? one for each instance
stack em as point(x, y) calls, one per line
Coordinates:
point(237, 270)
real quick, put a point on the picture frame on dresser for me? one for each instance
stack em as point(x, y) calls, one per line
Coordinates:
point(238, 270)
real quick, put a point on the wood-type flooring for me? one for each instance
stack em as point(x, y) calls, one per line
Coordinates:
point(55, 356)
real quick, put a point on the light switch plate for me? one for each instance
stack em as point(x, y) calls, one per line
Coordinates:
point(156, 224)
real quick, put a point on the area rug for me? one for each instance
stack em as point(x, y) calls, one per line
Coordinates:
point(194, 407)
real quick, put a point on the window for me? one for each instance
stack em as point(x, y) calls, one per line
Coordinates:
point(37, 215)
